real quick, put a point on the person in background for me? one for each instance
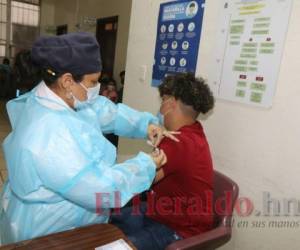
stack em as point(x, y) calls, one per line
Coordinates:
point(110, 90)
point(120, 92)
point(5, 78)
point(186, 179)
point(105, 77)
point(25, 74)
point(6, 63)
point(57, 158)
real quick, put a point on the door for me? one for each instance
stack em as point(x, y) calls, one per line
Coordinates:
point(61, 30)
point(107, 37)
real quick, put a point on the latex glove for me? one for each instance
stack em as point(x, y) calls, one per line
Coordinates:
point(159, 157)
point(157, 133)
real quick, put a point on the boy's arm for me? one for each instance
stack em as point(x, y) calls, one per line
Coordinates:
point(172, 150)
point(159, 175)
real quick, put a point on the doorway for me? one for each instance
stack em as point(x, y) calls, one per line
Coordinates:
point(107, 37)
point(61, 30)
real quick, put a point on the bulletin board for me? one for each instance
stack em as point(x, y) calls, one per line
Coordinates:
point(248, 50)
point(178, 38)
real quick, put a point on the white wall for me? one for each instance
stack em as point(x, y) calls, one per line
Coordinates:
point(71, 12)
point(47, 17)
point(258, 148)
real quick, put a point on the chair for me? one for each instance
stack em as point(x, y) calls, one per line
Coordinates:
point(221, 233)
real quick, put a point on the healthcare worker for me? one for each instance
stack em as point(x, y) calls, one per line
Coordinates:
point(57, 158)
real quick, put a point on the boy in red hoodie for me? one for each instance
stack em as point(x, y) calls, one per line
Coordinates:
point(180, 204)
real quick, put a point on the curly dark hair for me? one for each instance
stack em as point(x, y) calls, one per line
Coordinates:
point(189, 90)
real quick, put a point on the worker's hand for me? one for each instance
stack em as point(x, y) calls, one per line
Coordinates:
point(159, 157)
point(157, 133)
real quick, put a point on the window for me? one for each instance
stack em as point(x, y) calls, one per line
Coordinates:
point(25, 14)
point(2, 50)
point(35, 2)
point(2, 27)
point(24, 25)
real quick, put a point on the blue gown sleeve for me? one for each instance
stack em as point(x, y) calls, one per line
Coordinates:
point(85, 177)
point(121, 119)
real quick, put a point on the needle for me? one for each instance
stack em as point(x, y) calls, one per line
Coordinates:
point(156, 149)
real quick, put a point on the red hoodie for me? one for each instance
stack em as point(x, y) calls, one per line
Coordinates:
point(183, 199)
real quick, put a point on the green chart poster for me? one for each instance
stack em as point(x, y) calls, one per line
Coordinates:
point(248, 50)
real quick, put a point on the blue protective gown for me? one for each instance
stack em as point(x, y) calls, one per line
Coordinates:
point(58, 160)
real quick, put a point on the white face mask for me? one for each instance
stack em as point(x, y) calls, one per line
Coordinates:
point(92, 94)
point(161, 116)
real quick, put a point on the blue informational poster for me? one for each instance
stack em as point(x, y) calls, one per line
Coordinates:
point(178, 38)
